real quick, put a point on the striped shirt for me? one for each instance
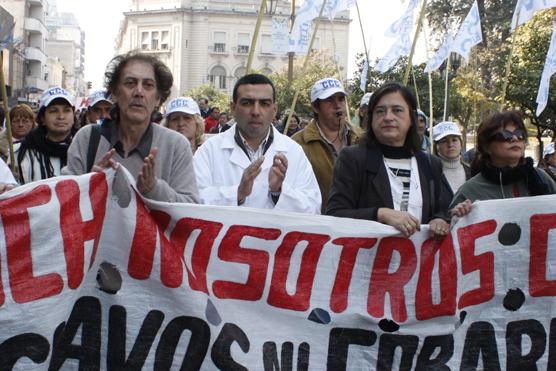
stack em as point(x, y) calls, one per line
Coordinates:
point(401, 168)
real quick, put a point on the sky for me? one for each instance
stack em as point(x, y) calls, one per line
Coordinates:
point(100, 19)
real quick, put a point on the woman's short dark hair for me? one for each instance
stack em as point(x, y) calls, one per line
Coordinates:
point(486, 131)
point(412, 141)
point(162, 73)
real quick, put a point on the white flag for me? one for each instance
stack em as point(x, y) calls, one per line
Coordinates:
point(280, 36)
point(441, 55)
point(405, 23)
point(364, 73)
point(401, 48)
point(469, 33)
point(548, 71)
point(300, 34)
point(335, 6)
point(526, 9)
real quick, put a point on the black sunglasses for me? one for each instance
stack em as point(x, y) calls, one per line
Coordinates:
point(508, 136)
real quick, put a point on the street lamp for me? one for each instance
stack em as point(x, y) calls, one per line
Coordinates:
point(448, 71)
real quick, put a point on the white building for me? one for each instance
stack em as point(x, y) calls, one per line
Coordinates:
point(208, 41)
point(27, 72)
point(67, 42)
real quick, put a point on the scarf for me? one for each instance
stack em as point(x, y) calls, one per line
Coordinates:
point(508, 175)
point(42, 149)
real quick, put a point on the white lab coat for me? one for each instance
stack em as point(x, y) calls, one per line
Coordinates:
point(220, 162)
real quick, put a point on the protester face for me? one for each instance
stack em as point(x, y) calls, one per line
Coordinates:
point(421, 126)
point(21, 126)
point(203, 104)
point(507, 146)
point(100, 111)
point(294, 124)
point(332, 110)
point(449, 147)
point(215, 113)
point(222, 119)
point(183, 123)
point(551, 159)
point(254, 110)
point(58, 119)
point(391, 119)
point(136, 94)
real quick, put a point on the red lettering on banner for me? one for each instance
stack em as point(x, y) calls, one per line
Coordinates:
point(24, 284)
point(448, 278)
point(200, 255)
point(393, 283)
point(350, 249)
point(484, 263)
point(171, 260)
point(143, 245)
point(75, 231)
point(538, 284)
point(278, 295)
point(257, 260)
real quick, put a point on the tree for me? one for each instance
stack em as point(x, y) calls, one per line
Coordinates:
point(285, 91)
point(215, 96)
point(531, 47)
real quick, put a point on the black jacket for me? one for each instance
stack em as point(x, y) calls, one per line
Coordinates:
point(360, 185)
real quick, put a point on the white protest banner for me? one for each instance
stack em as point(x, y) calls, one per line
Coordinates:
point(547, 72)
point(301, 30)
point(404, 24)
point(280, 35)
point(526, 9)
point(469, 33)
point(335, 6)
point(363, 77)
point(94, 277)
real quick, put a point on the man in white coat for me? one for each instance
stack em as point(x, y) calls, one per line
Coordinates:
point(253, 164)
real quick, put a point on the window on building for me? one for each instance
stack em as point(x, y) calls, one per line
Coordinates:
point(219, 42)
point(144, 40)
point(240, 71)
point(243, 42)
point(266, 44)
point(165, 40)
point(155, 39)
point(217, 77)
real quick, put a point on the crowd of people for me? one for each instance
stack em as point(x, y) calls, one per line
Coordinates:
point(381, 169)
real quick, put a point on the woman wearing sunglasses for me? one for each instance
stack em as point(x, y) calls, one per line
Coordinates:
point(500, 167)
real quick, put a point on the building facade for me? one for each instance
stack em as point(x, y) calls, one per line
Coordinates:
point(204, 41)
point(27, 59)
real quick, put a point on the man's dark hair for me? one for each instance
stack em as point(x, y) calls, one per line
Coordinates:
point(162, 73)
point(412, 141)
point(253, 79)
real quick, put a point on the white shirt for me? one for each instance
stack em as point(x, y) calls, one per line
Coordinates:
point(415, 203)
point(220, 162)
point(6, 175)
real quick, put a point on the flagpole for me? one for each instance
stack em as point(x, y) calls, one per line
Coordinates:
point(338, 67)
point(431, 115)
point(509, 64)
point(446, 85)
point(415, 87)
point(255, 36)
point(305, 62)
point(417, 31)
point(6, 110)
point(364, 41)
point(291, 55)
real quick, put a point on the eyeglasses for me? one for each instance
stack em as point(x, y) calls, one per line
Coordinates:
point(508, 136)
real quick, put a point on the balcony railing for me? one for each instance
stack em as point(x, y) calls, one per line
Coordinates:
point(219, 48)
point(35, 54)
point(33, 83)
point(34, 25)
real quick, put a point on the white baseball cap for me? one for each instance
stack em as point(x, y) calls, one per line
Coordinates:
point(54, 93)
point(325, 88)
point(365, 100)
point(97, 96)
point(183, 104)
point(444, 129)
point(548, 149)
